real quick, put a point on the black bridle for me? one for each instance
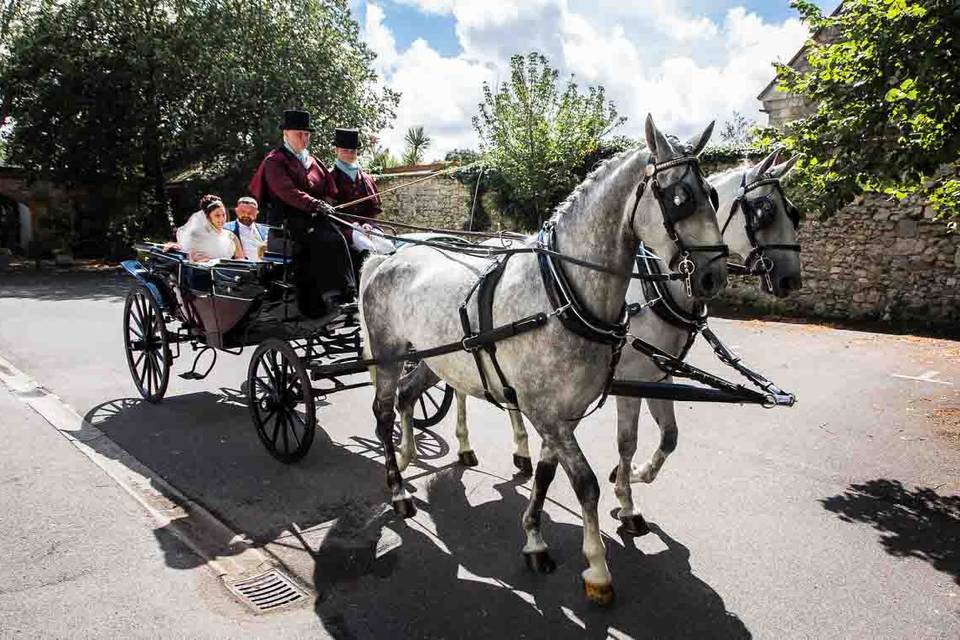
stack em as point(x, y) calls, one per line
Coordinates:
point(677, 203)
point(759, 213)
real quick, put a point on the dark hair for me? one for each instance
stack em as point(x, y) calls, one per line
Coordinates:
point(209, 204)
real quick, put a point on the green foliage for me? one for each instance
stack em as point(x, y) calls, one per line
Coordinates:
point(380, 160)
point(738, 130)
point(417, 143)
point(886, 87)
point(537, 135)
point(118, 94)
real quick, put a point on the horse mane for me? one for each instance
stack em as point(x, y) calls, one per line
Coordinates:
point(587, 188)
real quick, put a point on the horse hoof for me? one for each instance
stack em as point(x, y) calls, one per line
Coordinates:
point(634, 525)
point(613, 475)
point(540, 562)
point(468, 458)
point(404, 508)
point(600, 594)
point(523, 464)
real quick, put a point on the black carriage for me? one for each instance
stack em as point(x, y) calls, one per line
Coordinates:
point(234, 304)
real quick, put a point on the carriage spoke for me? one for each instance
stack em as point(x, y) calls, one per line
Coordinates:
point(264, 385)
point(423, 407)
point(148, 375)
point(430, 398)
point(137, 370)
point(276, 428)
point(286, 438)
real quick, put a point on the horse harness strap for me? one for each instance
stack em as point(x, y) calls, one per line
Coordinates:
point(756, 262)
point(574, 316)
point(664, 305)
point(485, 288)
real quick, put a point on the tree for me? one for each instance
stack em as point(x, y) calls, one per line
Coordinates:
point(886, 89)
point(536, 134)
point(115, 95)
point(381, 159)
point(417, 142)
point(738, 130)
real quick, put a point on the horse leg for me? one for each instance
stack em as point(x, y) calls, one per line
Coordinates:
point(535, 550)
point(662, 412)
point(596, 577)
point(465, 451)
point(412, 386)
point(628, 414)
point(521, 456)
point(387, 379)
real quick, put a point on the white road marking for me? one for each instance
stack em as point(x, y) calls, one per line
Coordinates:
point(190, 522)
point(926, 376)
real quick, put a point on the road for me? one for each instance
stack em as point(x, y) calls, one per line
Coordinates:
point(838, 518)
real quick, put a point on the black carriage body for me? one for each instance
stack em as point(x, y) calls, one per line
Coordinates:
point(228, 305)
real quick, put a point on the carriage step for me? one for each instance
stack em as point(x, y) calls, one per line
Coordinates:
point(192, 375)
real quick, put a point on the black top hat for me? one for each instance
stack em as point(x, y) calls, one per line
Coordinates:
point(296, 120)
point(346, 138)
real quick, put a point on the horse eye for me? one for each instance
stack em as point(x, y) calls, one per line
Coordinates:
point(678, 199)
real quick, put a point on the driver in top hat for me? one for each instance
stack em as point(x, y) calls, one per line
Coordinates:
point(353, 185)
point(297, 190)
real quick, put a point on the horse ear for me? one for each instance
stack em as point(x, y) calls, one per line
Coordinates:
point(784, 168)
point(761, 168)
point(657, 143)
point(697, 143)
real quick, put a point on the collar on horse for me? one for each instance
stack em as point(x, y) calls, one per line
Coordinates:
point(758, 214)
point(567, 306)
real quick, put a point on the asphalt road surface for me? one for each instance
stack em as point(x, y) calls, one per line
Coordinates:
point(838, 518)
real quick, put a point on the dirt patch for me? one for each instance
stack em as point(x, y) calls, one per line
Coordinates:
point(947, 423)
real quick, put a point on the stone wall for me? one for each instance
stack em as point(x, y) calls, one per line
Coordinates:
point(874, 260)
point(442, 202)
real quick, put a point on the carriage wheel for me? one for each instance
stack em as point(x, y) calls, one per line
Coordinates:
point(432, 405)
point(146, 343)
point(277, 384)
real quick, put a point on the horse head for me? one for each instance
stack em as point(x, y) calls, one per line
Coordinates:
point(760, 224)
point(680, 216)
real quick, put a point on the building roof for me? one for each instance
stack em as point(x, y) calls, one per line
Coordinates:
point(819, 36)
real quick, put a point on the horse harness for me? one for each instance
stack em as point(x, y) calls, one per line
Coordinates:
point(677, 203)
point(759, 213)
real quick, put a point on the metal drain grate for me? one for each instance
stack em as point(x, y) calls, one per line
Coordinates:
point(268, 592)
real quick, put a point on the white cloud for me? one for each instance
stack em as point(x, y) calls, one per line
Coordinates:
point(659, 56)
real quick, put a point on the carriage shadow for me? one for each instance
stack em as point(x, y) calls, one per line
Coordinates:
point(917, 523)
point(454, 571)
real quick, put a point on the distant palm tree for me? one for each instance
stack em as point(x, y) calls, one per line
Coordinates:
point(417, 142)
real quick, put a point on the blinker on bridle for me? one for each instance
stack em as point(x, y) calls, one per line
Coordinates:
point(759, 213)
point(677, 203)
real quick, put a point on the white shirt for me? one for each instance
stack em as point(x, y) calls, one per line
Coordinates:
point(250, 240)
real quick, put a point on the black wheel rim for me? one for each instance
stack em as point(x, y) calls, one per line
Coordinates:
point(147, 349)
point(432, 405)
point(281, 403)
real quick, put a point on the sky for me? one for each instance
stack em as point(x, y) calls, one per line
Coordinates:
point(685, 61)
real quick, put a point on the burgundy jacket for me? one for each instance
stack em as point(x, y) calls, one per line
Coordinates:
point(282, 181)
point(349, 190)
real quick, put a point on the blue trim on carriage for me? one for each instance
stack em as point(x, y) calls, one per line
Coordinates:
point(138, 271)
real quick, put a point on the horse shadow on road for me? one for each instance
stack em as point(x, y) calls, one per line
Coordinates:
point(913, 523)
point(453, 571)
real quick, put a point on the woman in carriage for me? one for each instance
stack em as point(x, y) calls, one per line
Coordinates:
point(203, 237)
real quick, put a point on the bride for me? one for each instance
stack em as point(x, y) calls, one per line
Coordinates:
point(203, 237)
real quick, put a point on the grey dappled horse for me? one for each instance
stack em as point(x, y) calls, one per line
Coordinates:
point(411, 299)
point(772, 254)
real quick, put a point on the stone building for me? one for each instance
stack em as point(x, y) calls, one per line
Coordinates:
point(877, 259)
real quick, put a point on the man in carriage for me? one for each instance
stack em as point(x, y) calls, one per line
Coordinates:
point(297, 190)
point(356, 191)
